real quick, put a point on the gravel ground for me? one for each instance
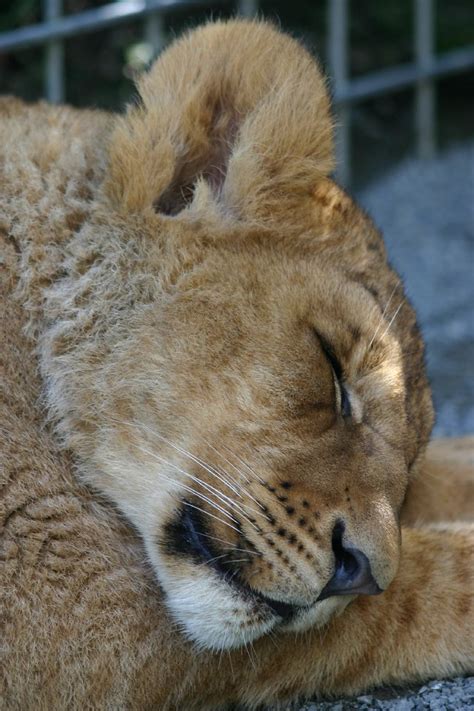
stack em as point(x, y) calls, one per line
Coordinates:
point(426, 212)
point(435, 696)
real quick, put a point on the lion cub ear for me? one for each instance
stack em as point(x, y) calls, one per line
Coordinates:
point(233, 118)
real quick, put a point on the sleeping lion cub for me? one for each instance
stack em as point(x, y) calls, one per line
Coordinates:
point(225, 356)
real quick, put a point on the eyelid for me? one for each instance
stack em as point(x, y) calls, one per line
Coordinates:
point(344, 400)
point(331, 356)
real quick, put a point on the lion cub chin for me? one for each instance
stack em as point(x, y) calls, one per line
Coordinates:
point(227, 351)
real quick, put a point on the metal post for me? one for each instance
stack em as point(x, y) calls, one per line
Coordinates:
point(425, 89)
point(155, 31)
point(54, 64)
point(338, 38)
point(247, 8)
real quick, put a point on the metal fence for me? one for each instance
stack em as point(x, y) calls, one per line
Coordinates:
point(421, 74)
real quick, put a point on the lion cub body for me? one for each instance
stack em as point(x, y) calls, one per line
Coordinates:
point(183, 274)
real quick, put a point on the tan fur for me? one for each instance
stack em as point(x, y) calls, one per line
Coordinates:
point(447, 493)
point(173, 271)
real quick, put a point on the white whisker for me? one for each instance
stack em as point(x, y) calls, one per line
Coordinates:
point(207, 513)
point(199, 508)
point(239, 459)
point(381, 322)
point(215, 538)
point(189, 488)
point(391, 321)
point(222, 497)
point(208, 467)
point(254, 474)
point(219, 454)
point(252, 662)
point(229, 545)
point(212, 560)
point(273, 638)
point(244, 463)
point(242, 550)
point(196, 459)
point(204, 498)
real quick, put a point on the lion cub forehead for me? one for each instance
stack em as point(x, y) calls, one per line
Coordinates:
point(283, 291)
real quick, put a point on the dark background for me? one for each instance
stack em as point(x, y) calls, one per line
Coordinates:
point(100, 66)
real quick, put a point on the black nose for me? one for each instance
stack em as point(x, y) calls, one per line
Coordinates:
point(353, 574)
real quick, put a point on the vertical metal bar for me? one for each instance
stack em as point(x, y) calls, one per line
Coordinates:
point(247, 8)
point(155, 31)
point(338, 41)
point(425, 89)
point(54, 64)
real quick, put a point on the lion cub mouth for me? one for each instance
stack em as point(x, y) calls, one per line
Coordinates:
point(189, 537)
point(225, 590)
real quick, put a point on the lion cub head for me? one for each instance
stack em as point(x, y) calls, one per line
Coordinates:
point(230, 355)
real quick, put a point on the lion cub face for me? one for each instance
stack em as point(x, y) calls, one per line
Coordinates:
point(230, 355)
point(254, 432)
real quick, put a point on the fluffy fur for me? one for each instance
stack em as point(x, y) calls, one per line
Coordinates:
point(191, 282)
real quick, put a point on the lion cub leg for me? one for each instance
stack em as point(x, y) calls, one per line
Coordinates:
point(423, 626)
point(420, 628)
point(444, 488)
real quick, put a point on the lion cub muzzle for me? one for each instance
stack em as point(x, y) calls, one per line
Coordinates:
point(289, 568)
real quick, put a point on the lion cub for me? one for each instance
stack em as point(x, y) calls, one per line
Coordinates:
point(232, 362)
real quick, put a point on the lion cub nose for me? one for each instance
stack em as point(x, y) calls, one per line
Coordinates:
point(352, 575)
